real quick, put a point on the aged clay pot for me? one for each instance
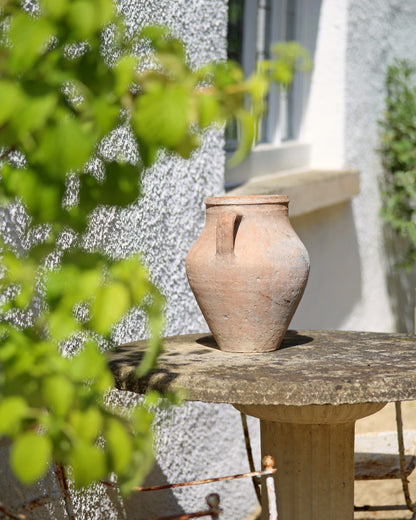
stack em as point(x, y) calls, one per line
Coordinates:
point(248, 270)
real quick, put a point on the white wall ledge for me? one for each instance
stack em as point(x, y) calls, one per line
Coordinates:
point(308, 190)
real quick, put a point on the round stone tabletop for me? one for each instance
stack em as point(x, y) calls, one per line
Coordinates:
point(310, 367)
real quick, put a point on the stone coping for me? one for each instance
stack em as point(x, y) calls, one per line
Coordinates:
point(308, 190)
point(311, 367)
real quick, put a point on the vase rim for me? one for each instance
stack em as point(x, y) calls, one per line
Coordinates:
point(226, 200)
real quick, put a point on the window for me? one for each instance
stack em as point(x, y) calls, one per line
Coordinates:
point(252, 26)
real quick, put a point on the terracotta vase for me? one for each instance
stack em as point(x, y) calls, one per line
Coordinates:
point(248, 270)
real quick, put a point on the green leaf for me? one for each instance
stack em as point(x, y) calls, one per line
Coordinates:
point(188, 145)
point(12, 410)
point(87, 423)
point(411, 230)
point(142, 420)
point(30, 456)
point(131, 271)
point(21, 271)
point(105, 112)
point(81, 17)
point(86, 17)
point(111, 302)
point(208, 110)
point(121, 186)
point(148, 153)
point(73, 282)
point(89, 364)
point(62, 324)
point(88, 464)
point(156, 322)
point(54, 8)
point(65, 147)
point(42, 199)
point(58, 392)
point(226, 74)
point(247, 124)
point(258, 86)
point(33, 113)
point(125, 72)
point(164, 43)
point(119, 445)
point(10, 97)
point(283, 73)
point(105, 12)
point(161, 116)
point(29, 37)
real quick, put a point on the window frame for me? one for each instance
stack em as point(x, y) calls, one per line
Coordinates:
point(276, 154)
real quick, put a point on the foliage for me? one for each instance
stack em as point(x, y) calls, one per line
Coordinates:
point(287, 58)
point(59, 97)
point(399, 156)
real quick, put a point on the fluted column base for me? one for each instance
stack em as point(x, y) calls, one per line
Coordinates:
point(313, 449)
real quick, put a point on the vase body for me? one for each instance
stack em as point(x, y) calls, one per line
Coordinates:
point(248, 271)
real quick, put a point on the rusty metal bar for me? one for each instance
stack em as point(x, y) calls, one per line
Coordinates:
point(250, 455)
point(33, 504)
point(45, 499)
point(10, 514)
point(213, 501)
point(63, 486)
point(405, 482)
point(37, 502)
point(197, 514)
point(268, 465)
point(195, 482)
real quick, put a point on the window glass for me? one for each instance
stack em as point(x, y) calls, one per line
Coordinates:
point(235, 53)
point(235, 30)
point(252, 27)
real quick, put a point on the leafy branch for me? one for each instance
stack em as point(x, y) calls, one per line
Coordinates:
point(59, 97)
point(399, 156)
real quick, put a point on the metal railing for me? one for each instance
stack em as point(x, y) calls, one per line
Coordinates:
point(212, 500)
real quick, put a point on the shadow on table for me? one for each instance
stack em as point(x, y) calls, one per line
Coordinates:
point(291, 339)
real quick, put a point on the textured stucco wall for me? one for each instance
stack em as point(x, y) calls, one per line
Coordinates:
point(196, 440)
point(352, 285)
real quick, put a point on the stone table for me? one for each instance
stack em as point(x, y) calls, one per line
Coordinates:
point(307, 395)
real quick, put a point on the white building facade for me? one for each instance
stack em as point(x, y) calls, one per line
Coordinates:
point(352, 43)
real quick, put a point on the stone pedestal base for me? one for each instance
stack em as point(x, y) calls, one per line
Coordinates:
point(313, 449)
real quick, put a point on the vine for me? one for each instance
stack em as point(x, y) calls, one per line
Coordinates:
point(399, 156)
point(59, 97)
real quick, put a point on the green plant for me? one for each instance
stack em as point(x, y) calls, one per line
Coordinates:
point(399, 156)
point(59, 97)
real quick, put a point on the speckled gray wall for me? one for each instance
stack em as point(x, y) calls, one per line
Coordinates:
point(195, 440)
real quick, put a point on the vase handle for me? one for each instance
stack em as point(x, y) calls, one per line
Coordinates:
point(225, 233)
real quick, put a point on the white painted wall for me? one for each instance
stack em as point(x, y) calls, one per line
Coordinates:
point(378, 33)
point(324, 123)
point(348, 287)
